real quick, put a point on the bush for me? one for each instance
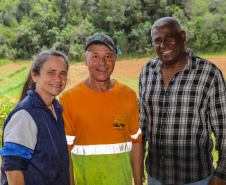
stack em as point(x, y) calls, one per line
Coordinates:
point(6, 105)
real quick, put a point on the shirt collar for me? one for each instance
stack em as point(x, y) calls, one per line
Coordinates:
point(37, 101)
point(189, 65)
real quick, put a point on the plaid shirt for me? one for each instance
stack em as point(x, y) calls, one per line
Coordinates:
point(177, 121)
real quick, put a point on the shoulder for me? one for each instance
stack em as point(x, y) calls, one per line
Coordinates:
point(150, 66)
point(200, 63)
point(203, 61)
point(125, 89)
point(72, 91)
point(22, 116)
point(19, 119)
point(25, 104)
point(205, 65)
point(21, 129)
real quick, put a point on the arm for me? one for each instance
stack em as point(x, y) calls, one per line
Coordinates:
point(20, 138)
point(143, 174)
point(217, 119)
point(216, 181)
point(71, 170)
point(15, 177)
point(136, 162)
point(143, 120)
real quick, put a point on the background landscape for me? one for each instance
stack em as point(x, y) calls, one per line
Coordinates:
point(30, 26)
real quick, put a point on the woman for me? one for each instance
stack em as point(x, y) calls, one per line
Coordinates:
point(34, 143)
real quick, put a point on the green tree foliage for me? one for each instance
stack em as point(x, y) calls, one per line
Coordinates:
point(30, 26)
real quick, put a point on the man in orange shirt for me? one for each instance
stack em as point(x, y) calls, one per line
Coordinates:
point(101, 122)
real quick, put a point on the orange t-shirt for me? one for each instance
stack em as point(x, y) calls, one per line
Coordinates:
point(96, 118)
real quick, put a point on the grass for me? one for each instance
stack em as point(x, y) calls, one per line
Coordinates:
point(5, 61)
point(131, 82)
point(216, 54)
point(17, 71)
point(8, 72)
point(15, 82)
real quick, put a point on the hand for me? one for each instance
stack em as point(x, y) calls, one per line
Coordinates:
point(216, 181)
point(143, 176)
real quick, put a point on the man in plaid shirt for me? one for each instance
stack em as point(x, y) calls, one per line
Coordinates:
point(182, 101)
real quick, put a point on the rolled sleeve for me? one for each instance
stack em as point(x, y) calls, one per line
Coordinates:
point(11, 163)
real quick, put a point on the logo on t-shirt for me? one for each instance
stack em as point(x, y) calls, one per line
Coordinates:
point(119, 122)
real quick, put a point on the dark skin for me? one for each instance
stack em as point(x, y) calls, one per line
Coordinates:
point(169, 45)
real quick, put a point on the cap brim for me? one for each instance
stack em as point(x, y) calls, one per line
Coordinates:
point(99, 41)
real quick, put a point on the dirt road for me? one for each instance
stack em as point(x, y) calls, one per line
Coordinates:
point(127, 69)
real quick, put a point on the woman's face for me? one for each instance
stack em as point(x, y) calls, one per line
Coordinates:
point(52, 78)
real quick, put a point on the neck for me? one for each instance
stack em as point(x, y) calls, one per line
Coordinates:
point(103, 87)
point(176, 65)
point(46, 98)
point(51, 107)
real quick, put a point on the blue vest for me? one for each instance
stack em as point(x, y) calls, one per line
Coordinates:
point(49, 164)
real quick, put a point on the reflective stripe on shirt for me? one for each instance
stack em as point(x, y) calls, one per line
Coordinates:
point(135, 136)
point(102, 149)
point(70, 139)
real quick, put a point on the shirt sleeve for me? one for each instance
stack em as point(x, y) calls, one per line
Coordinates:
point(69, 126)
point(20, 138)
point(218, 121)
point(142, 111)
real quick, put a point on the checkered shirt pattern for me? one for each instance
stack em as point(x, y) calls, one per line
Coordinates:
point(178, 120)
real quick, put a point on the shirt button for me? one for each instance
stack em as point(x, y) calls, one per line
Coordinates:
point(162, 157)
point(167, 93)
point(161, 142)
point(163, 126)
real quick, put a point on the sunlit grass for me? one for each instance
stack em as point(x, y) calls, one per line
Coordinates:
point(131, 82)
point(216, 54)
point(15, 82)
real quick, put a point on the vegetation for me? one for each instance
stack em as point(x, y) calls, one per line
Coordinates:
point(7, 103)
point(29, 26)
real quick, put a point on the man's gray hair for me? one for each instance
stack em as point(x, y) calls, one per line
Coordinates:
point(167, 21)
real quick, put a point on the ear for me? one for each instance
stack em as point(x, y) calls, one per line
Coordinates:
point(183, 35)
point(116, 58)
point(85, 59)
point(34, 76)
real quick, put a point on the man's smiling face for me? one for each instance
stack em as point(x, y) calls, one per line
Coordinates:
point(169, 43)
point(100, 61)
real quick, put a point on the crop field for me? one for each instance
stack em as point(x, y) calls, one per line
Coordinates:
point(13, 75)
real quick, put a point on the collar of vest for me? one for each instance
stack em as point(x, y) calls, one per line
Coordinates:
point(37, 101)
